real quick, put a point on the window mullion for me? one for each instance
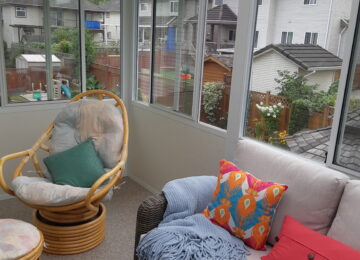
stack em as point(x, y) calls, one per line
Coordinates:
point(341, 96)
point(48, 56)
point(199, 58)
point(246, 25)
point(82, 45)
point(2, 64)
point(178, 37)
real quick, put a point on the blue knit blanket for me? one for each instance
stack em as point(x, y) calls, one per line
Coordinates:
point(186, 234)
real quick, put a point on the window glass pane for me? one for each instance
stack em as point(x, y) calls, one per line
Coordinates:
point(307, 38)
point(218, 62)
point(65, 46)
point(102, 44)
point(293, 86)
point(24, 51)
point(348, 148)
point(144, 52)
point(174, 56)
point(314, 38)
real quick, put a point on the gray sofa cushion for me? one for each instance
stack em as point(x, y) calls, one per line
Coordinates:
point(346, 225)
point(314, 190)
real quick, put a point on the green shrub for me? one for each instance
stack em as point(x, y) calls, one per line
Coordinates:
point(212, 94)
point(92, 83)
point(299, 115)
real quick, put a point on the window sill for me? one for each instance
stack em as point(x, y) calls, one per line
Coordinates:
point(32, 106)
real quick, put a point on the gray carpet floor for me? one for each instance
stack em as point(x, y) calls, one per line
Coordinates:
point(120, 223)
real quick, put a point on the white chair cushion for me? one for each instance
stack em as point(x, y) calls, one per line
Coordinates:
point(40, 191)
point(346, 226)
point(17, 238)
point(314, 190)
point(99, 120)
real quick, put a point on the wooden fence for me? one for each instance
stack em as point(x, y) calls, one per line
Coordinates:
point(106, 69)
point(268, 100)
point(316, 120)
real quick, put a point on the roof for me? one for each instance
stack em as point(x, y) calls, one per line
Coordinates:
point(73, 5)
point(307, 56)
point(111, 6)
point(38, 58)
point(225, 61)
point(314, 144)
point(218, 14)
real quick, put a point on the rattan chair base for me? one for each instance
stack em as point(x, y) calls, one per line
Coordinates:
point(68, 239)
point(36, 252)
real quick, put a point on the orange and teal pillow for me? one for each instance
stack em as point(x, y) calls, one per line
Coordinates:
point(244, 205)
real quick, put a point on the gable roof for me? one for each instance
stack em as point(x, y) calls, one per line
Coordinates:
point(224, 61)
point(218, 14)
point(111, 6)
point(307, 56)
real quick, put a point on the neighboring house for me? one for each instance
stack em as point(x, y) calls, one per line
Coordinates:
point(23, 20)
point(112, 21)
point(318, 65)
point(318, 22)
point(220, 28)
point(169, 18)
point(314, 144)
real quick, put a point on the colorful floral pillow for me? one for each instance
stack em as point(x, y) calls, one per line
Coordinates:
point(244, 205)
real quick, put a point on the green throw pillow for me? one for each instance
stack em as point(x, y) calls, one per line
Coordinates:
point(79, 166)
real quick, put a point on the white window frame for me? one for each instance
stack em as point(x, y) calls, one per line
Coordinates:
point(20, 9)
point(241, 76)
point(341, 98)
point(198, 72)
point(7, 107)
point(173, 5)
point(144, 5)
point(310, 2)
point(314, 36)
point(288, 38)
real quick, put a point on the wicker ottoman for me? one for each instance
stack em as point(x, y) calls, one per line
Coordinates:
point(19, 240)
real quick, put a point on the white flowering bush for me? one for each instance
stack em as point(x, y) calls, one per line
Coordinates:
point(271, 116)
point(269, 111)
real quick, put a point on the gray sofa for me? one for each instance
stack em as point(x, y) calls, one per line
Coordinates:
point(325, 200)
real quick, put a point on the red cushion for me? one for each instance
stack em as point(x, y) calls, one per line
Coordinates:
point(298, 242)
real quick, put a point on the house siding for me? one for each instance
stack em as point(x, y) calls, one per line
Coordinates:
point(323, 79)
point(34, 16)
point(264, 71)
point(112, 25)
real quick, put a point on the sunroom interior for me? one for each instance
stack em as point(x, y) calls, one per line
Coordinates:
point(271, 85)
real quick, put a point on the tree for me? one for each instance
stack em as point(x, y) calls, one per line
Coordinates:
point(67, 40)
point(294, 86)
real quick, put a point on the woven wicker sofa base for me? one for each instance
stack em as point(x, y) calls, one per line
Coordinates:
point(71, 238)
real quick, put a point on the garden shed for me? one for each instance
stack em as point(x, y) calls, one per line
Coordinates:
point(216, 66)
point(25, 61)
